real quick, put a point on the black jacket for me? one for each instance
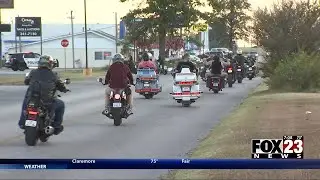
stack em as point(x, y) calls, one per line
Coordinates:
point(216, 67)
point(240, 59)
point(45, 82)
point(188, 64)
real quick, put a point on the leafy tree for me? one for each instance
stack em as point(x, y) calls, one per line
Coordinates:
point(218, 35)
point(140, 33)
point(287, 28)
point(162, 15)
point(232, 13)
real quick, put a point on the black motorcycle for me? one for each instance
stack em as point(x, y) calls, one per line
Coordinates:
point(239, 74)
point(251, 72)
point(231, 75)
point(118, 105)
point(38, 124)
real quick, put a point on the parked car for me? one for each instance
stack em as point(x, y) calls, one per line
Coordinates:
point(22, 61)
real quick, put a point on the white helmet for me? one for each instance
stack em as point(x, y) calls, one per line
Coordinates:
point(118, 57)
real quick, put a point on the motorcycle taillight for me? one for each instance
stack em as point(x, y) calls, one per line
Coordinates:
point(32, 113)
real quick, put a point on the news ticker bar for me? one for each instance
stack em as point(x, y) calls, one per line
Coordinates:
point(159, 163)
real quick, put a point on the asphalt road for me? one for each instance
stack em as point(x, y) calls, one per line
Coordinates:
point(10, 72)
point(159, 128)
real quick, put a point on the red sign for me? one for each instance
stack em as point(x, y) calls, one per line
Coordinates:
point(64, 43)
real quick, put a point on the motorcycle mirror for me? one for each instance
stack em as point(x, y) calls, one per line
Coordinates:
point(27, 74)
point(67, 81)
point(99, 80)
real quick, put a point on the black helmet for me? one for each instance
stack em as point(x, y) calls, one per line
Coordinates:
point(146, 56)
point(186, 56)
point(46, 61)
point(216, 58)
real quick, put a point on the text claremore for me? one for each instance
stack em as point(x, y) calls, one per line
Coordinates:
point(83, 161)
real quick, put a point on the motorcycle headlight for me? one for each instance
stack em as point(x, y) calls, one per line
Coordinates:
point(27, 74)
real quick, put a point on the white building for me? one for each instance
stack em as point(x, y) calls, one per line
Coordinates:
point(101, 48)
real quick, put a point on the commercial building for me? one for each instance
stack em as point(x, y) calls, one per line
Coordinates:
point(101, 47)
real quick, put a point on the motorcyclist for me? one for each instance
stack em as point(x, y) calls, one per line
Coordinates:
point(185, 62)
point(216, 68)
point(129, 62)
point(240, 60)
point(49, 83)
point(147, 62)
point(118, 77)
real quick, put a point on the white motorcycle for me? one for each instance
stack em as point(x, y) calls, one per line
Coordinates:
point(186, 89)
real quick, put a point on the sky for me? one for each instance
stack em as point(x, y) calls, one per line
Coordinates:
point(98, 11)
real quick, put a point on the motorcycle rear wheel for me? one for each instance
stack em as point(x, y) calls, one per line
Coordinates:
point(31, 136)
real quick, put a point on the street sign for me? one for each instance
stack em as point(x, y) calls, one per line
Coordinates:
point(65, 43)
point(6, 4)
point(28, 26)
point(200, 27)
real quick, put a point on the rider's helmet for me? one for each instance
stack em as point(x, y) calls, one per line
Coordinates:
point(239, 52)
point(46, 61)
point(216, 58)
point(146, 56)
point(118, 58)
point(186, 57)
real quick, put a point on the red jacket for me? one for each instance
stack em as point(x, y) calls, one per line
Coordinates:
point(147, 64)
point(118, 76)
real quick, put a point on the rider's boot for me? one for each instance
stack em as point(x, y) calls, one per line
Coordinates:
point(58, 129)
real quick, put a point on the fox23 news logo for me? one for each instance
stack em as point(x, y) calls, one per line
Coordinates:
point(289, 147)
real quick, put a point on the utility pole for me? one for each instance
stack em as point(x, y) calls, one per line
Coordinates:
point(15, 38)
point(86, 34)
point(20, 45)
point(72, 39)
point(116, 24)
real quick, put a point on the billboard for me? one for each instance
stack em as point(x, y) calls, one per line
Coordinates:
point(6, 4)
point(28, 26)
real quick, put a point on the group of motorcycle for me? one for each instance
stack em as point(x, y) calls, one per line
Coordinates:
point(235, 73)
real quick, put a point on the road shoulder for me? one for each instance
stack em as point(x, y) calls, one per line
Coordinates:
point(262, 115)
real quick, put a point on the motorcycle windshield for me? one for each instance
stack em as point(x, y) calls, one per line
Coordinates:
point(144, 72)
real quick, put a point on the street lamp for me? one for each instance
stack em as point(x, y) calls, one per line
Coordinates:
point(86, 35)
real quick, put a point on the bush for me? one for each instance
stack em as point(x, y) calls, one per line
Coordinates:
point(297, 72)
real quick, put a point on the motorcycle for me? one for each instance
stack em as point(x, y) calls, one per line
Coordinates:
point(163, 71)
point(38, 125)
point(147, 83)
point(239, 74)
point(230, 78)
point(251, 72)
point(215, 83)
point(186, 89)
point(118, 105)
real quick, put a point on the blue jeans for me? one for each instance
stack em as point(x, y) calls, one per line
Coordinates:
point(58, 107)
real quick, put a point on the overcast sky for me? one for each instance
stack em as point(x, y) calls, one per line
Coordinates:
point(98, 11)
